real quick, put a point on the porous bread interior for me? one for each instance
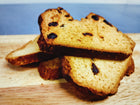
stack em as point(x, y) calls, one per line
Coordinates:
point(106, 81)
point(30, 48)
point(53, 15)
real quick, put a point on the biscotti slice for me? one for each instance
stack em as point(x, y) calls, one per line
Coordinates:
point(27, 54)
point(51, 69)
point(93, 33)
point(97, 76)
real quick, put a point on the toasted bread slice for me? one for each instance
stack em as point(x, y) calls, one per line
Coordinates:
point(93, 33)
point(51, 69)
point(97, 76)
point(49, 19)
point(27, 54)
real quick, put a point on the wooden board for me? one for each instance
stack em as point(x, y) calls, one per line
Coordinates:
point(23, 85)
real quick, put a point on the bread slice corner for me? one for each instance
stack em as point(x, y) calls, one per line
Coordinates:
point(27, 54)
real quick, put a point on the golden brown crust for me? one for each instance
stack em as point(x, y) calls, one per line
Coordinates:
point(131, 67)
point(30, 58)
point(23, 60)
point(51, 69)
point(61, 50)
point(42, 44)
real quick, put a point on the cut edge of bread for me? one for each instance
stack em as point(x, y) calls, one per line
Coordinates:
point(27, 54)
point(51, 44)
point(68, 75)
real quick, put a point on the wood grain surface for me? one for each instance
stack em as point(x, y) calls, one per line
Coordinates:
point(23, 85)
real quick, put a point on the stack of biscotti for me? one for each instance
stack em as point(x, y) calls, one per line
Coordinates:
point(96, 55)
point(92, 54)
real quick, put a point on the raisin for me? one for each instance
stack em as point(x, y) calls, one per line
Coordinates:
point(52, 36)
point(107, 22)
point(59, 11)
point(87, 34)
point(67, 15)
point(53, 24)
point(60, 8)
point(94, 69)
point(70, 19)
point(62, 25)
point(101, 37)
point(95, 17)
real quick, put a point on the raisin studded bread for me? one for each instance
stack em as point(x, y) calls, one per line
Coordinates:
point(50, 19)
point(50, 69)
point(97, 76)
point(93, 33)
point(27, 54)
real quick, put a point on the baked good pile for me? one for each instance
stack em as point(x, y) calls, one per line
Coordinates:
point(92, 54)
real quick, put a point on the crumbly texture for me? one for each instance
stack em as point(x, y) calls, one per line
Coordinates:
point(92, 33)
point(51, 69)
point(101, 77)
point(27, 54)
